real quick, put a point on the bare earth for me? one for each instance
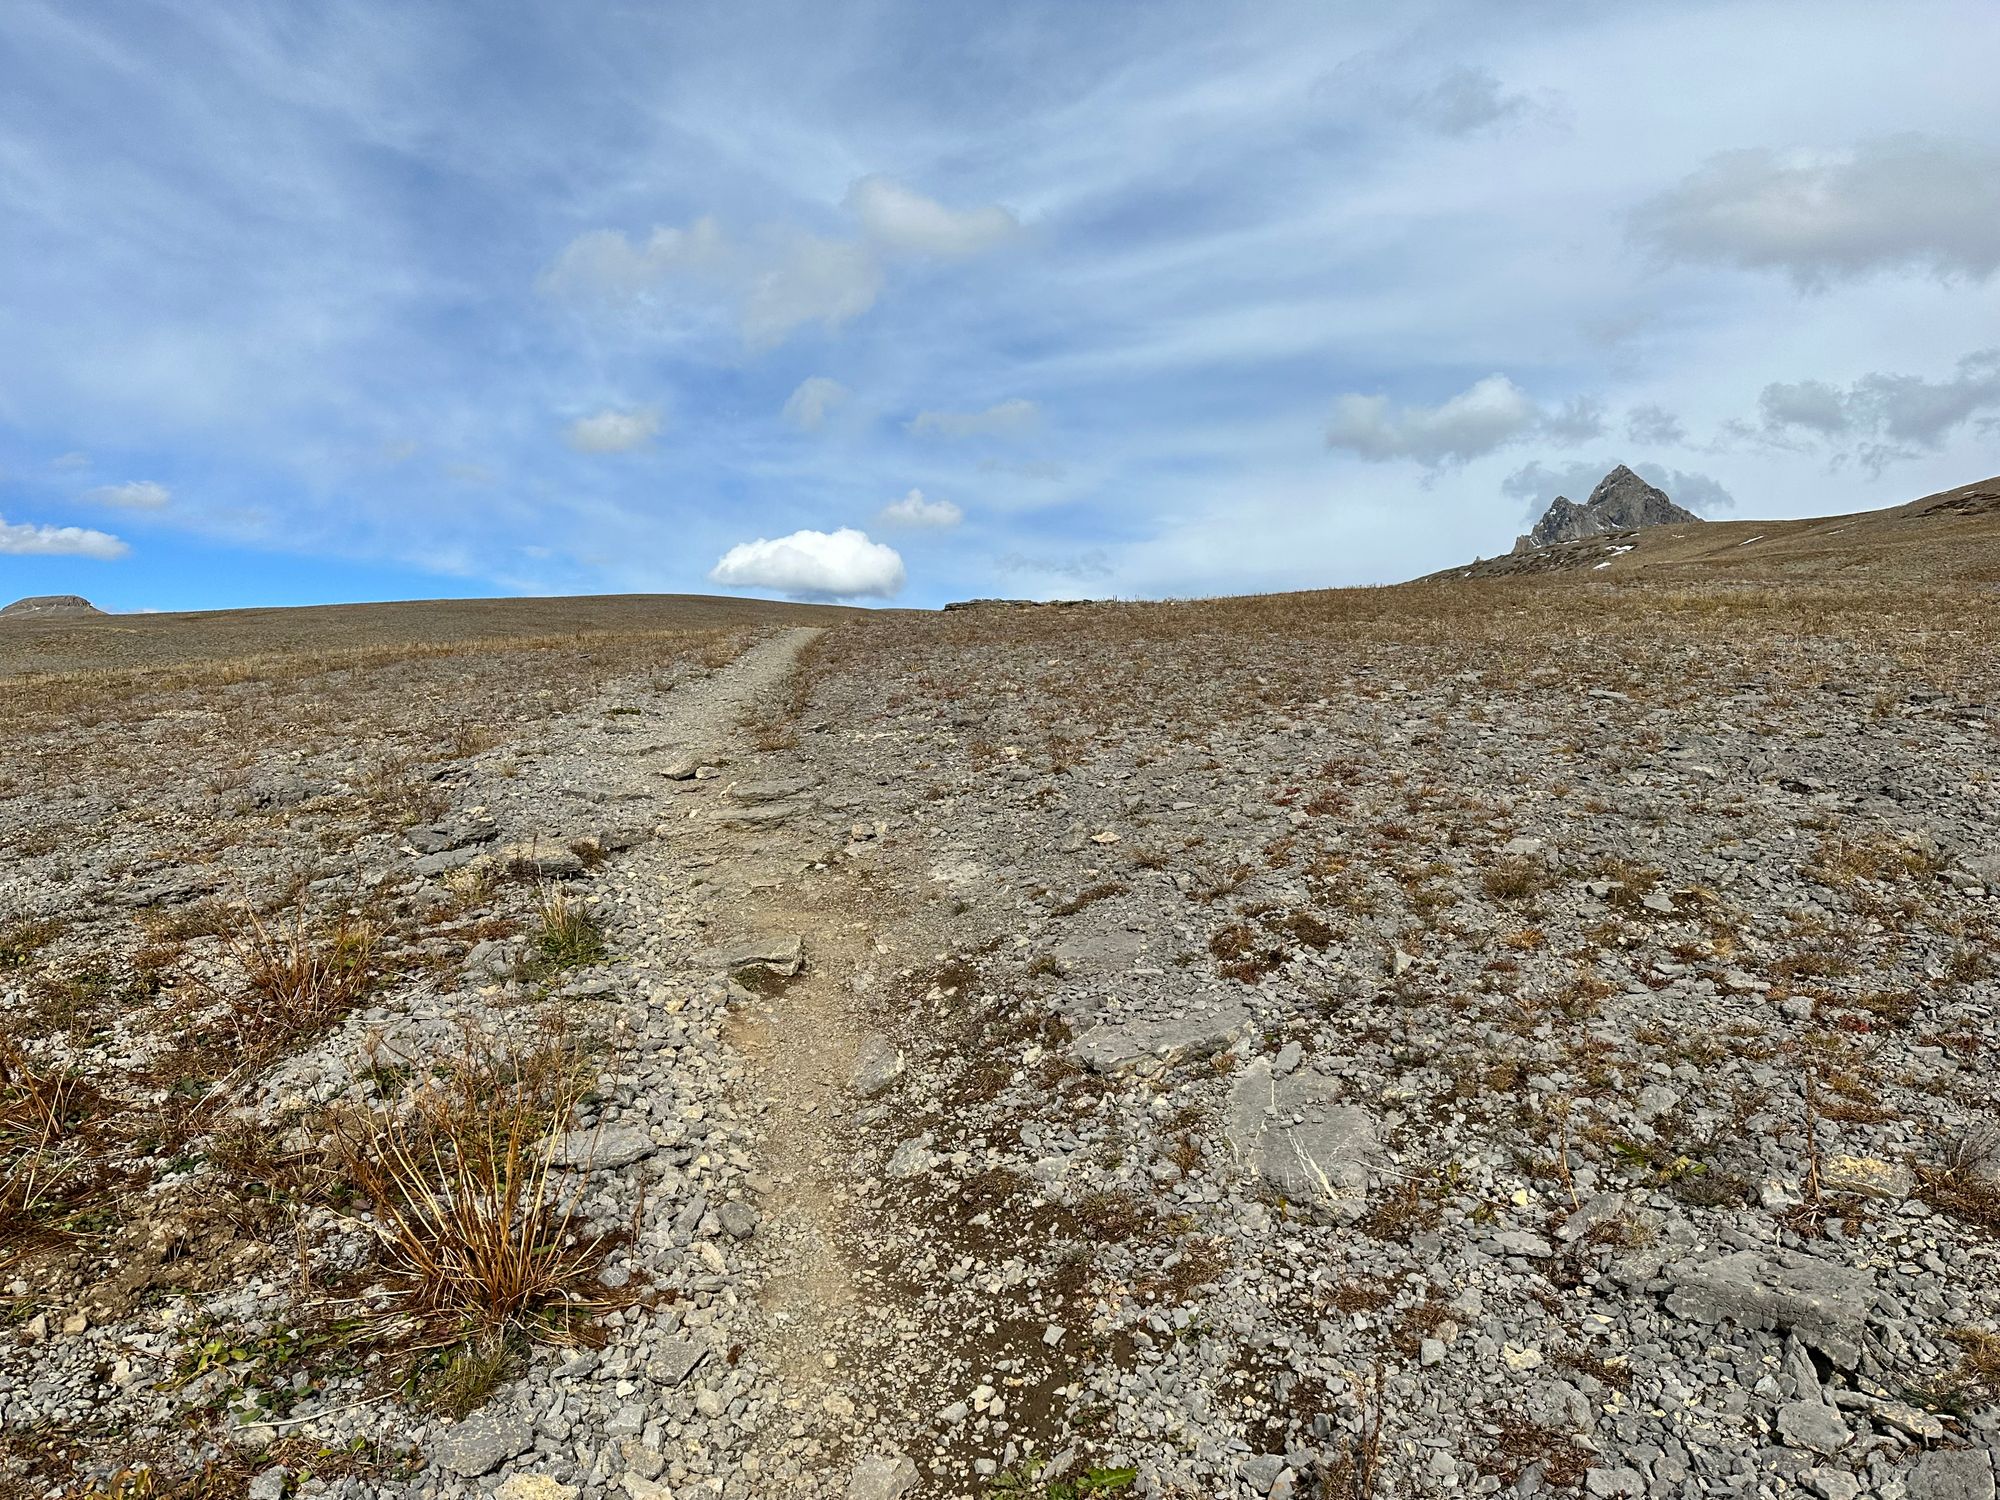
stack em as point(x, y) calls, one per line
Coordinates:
point(1517, 1035)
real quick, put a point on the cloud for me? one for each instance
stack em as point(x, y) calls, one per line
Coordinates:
point(1466, 100)
point(70, 461)
point(23, 540)
point(1899, 202)
point(1536, 484)
point(775, 285)
point(613, 431)
point(1488, 415)
point(901, 219)
point(914, 511)
point(1086, 565)
point(814, 401)
point(998, 420)
point(1885, 418)
point(1578, 420)
point(784, 279)
point(139, 494)
point(843, 564)
point(1654, 424)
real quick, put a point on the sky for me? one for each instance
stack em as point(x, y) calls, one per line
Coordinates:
point(905, 302)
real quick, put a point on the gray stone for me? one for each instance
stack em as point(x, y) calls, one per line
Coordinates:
point(752, 793)
point(1152, 1047)
point(548, 859)
point(882, 1477)
point(437, 838)
point(1866, 1177)
point(1823, 1303)
point(1814, 1425)
point(1953, 1474)
point(877, 1064)
point(780, 952)
point(1832, 1484)
point(676, 1360)
point(606, 1147)
point(269, 1485)
point(1614, 1482)
point(738, 1219)
point(481, 1443)
point(1292, 1134)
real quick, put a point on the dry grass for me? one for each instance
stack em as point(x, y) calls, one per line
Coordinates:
point(39, 1108)
point(477, 1229)
point(301, 975)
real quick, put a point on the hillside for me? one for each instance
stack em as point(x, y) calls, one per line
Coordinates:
point(1953, 534)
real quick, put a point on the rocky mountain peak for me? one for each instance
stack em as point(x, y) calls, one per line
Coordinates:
point(1622, 501)
point(41, 605)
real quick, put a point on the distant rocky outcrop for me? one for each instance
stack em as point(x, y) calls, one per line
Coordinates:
point(45, 606)
point(1622, 501)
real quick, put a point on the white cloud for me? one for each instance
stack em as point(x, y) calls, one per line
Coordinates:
point(613, 431)
point(776, 284)
point(914, 511)
point(1654, 424)
point(843, 564)
point(1904, 201)
point(901, 219)
point(1488, 415)
point(1466, 100)
point(139, 494)
point(1012, 416)
point(23, 540)
point(1886, 417)
point(814, 401)
point(75, 460)
point(784, 279)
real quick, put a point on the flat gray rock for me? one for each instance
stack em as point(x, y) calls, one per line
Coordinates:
point(754, 793)
point(1154, 1046)
point(1823, 1303)
point(676, 1361)
point(1953, 1474)
point(1813, 1425)
point(480, 1444)
point(781, 952)
point(882, 1477)
point(612, 1146)
point(1293, 1134)
point(877, 1064)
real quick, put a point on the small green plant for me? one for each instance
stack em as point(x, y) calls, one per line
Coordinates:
point(1025, 1482)
point(568, 937)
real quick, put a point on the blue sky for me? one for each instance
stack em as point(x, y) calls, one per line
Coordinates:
point(913, 302)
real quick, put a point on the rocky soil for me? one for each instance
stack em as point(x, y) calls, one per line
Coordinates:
point(1487, 1040)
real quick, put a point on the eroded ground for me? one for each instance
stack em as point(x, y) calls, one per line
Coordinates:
point(1411, 1042)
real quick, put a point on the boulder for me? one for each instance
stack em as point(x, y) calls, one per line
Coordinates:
point(1153, 1046)
point(1294, 1134)
point(1825, 1304)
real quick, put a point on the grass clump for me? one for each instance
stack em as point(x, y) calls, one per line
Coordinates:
point(477, 1234)
point(1025, 1482)
point(567, 936)
point(301, 975)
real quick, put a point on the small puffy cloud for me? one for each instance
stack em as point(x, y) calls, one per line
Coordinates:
point(776, 284)
point(613, 431)
point(1811, 404)
point(1901, 202)
point(1535, 485)
point(915, 512)
point(139, 494)
point(814, 401)
point(1886, 417)
point(999, 420)
point(1488, 415)
point(1466, 100)
point(903, 220)
point(1577, 420)
point(1654, 424)
point(841, 564)
point(24, 540)
point(1081, 568)
point(77, 460)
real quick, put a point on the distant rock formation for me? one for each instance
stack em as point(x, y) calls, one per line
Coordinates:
point(43, 606)
point(1622, 501)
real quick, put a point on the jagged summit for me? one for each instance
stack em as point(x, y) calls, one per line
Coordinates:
point(43, 605)
point(1622, 501)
